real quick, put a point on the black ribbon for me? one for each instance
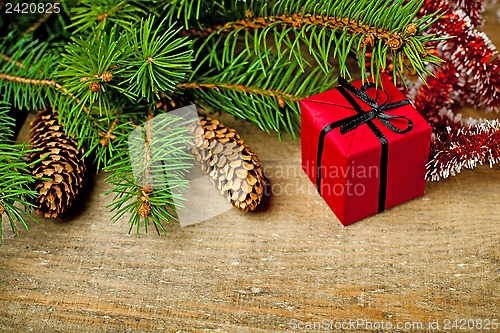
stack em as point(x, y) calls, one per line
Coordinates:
point(361, 117)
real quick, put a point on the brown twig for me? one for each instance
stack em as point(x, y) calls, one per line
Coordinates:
point(37, 24)
point(145, 208)
point(279, 95)
point(12, 61)
point(300, 20)
point(108, 135)
point(50, 83)
point(205, 32)
point(33, 81)
point(147, 187)
point(103, 16)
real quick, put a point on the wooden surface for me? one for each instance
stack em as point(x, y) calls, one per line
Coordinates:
point(435, 258)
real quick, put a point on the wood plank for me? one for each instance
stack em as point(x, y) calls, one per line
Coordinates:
point(434, 258)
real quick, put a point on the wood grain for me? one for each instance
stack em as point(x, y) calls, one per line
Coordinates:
point(433, 258)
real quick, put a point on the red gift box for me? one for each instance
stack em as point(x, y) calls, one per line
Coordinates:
point(364, 147)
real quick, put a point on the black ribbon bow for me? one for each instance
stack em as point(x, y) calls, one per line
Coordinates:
point(361, 117)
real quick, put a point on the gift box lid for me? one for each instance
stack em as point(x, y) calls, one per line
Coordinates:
point(331, 106)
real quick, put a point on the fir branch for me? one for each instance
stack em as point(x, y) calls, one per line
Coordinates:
point(196, 13)
point(26, 70)
point(15, 177)
point(84, 64)
point(15, 192)
point(79, 122)
point(332, 29)
point(203, 32)
point(298, 20)
point(91, 73)
point(24, 80)
point(156, 61)
point(42, 82)
point(279, 95)
point(109, 136)
point(109, 13)
point(269, 97)
point(108, 70)
point(9, 60)
point(148, 172)
point(98, 14)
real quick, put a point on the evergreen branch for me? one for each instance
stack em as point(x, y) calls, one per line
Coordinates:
point(195, 12)
point(96, 14)
point(303, 20)
point(6, 124)
point(279, 95)
point(298, 21)
point(91, 73)
point(41, 82)
point(9, 60)
point(156, 62)
point(26, 71)
point(148, 172)
point(267, 97)
point(200, 33)
point(24, 80)
point(15, 178)
point(330, 29)
point(78, 120)
point(107, 70)
point(105, 15)
point(107, 136)
point(89, 68)
point(15, 192)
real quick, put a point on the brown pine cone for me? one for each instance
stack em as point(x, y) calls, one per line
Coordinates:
point(232, 166)
point(60, 163)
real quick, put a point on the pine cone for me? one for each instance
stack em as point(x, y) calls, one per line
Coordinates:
point(61, 162)
point(231, 165)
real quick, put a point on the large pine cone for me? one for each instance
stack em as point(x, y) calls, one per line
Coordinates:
point(232, 166)
point(61, 165)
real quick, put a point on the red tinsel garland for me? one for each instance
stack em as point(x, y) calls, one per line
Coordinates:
point(470, 75)
point(466, 148)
